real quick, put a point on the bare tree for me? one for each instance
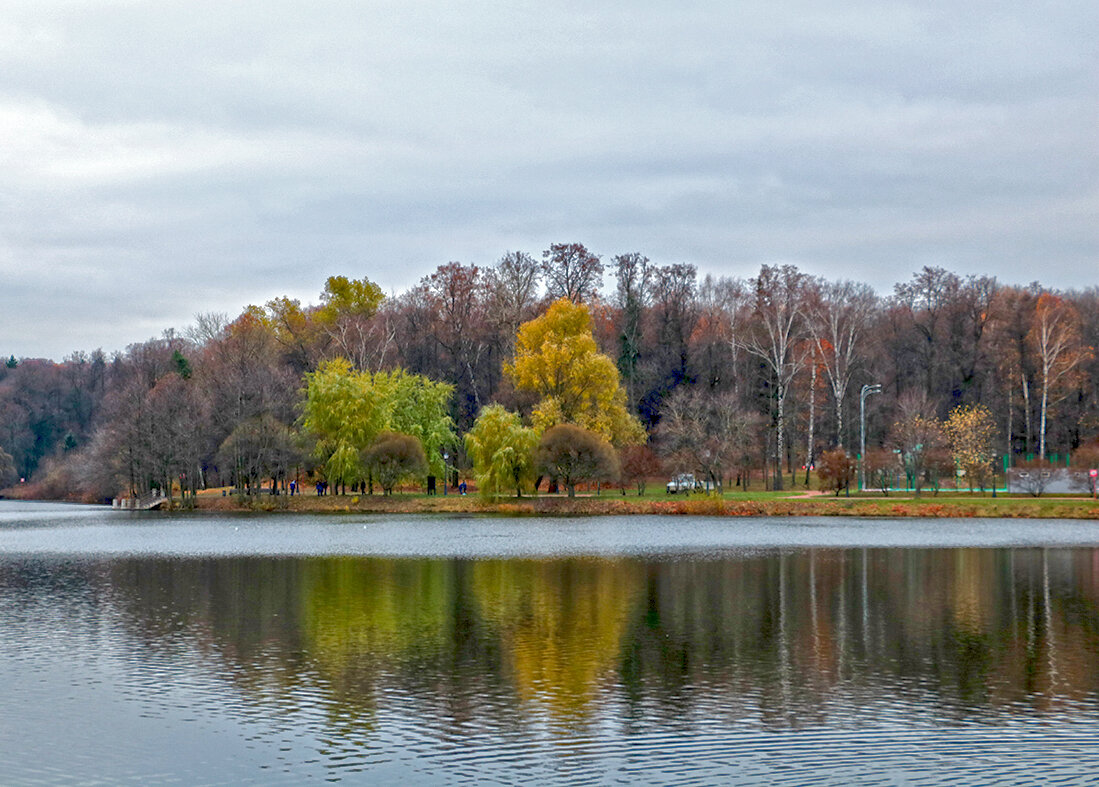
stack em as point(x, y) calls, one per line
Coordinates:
point(1055, 336)
point(706, 433)
point(572, 272)
point(774, 336)
point(367, 341)
point(208, 327)
point(734, 300)
point(839, 316)
point(512, 287)
point(455, 296)
point(675, 314)
point(633, 275)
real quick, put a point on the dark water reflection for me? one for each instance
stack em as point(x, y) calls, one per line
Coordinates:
point(816, 665)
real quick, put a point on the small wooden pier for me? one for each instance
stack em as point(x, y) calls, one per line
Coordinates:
point(143, 503)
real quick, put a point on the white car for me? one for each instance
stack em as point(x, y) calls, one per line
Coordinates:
point(684, 482)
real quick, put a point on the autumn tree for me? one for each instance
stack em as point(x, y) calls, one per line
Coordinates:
point(971, 432)
point(171, 450)
point(1014, 363)
point(881, 466)
point(344, 297)
point(574, 455)
point(925, 300)
point(639, 464)
point(352, 318)
point(294, 330)
point(714, 355)
point(674, 314)
point(571, 272)
point(556, 357)
point(836, 470)
point(1055, 337)
point(454, 295)
point(502, 450)
point(917, 436)
point(241, 376)
point(394, 457)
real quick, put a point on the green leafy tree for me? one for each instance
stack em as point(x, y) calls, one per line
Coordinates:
point(573, 454)
point(502, 450)
point(182, 365)
point(346, 410)
point(393, 458)
point(420, 407)
point(556, 357)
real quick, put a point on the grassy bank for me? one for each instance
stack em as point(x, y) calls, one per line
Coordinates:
point(734, 504)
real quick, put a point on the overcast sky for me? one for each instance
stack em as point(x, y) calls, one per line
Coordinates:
point(164, 158)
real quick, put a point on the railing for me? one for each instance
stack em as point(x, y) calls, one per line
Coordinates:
point(141, 503)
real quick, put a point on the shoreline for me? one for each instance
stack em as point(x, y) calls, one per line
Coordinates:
point(608, 505)
point(792, 504)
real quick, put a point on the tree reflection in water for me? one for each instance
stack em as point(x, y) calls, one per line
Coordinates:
point(778, 640)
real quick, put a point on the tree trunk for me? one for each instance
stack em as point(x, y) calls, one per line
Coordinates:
point(812, 422)
point(780, 404)
point(839, 419)
point(1026, 411)
point(1042, 423)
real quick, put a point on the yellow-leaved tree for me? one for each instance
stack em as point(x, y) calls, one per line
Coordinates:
point(972, 430)
point(556, 357)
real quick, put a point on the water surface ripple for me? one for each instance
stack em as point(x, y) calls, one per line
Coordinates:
point(241, 650)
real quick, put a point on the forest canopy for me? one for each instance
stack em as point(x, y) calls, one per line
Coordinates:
point(724, 377)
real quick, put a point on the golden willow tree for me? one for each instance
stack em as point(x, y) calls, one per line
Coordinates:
point(502, 450)
point(556, 357)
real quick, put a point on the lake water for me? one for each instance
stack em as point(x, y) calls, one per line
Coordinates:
point(146, 649)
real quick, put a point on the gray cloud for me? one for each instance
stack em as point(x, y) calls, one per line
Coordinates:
point(162, 159)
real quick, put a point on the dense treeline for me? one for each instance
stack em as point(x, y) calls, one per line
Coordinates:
point(728, 376)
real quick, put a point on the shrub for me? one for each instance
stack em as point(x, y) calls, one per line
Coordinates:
point(573, 455)
point(836, 470)
point(394, 457)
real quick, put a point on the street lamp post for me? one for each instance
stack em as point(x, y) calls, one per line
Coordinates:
point(994, 474)
point(867, 390)
point(446, 472)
